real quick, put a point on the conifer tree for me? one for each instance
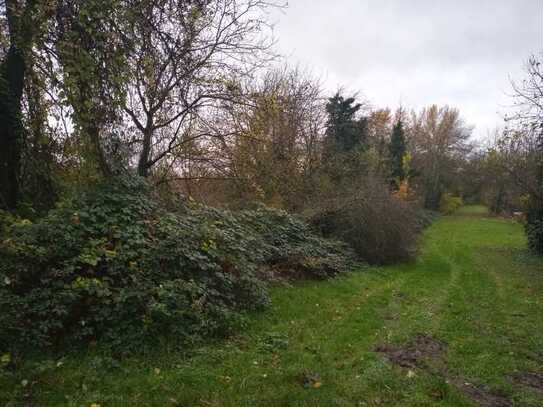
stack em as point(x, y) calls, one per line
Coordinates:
point(344, 131)
point(397, 150)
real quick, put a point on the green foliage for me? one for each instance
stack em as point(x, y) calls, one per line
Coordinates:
point(534, 216)
point(344, 131)
point(534, 231)
point(397, 150)
point(534, 226)
point(112, 265)
point(449, 203)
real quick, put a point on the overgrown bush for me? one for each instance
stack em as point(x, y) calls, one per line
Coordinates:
point(112, 265)
point(449, 203)
point(534, 206)
point(379, 227)
point(534, 228)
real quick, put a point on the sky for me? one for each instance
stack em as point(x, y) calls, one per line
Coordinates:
point(461, 53)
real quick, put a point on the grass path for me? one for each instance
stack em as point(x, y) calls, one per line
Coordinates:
point(474, 287)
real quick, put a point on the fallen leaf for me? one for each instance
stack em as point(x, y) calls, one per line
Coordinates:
point(310, 380)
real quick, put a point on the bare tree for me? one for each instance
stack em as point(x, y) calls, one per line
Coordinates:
point(438, 139)
point(182, 55)
point(528, 96)
point(522, 141)
point(280, 130)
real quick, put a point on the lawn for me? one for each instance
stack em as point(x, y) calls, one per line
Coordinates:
point(461, 326)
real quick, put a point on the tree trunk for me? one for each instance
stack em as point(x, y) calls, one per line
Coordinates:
point(12, 79)
point(433, 188)
point(143, 162)
point(11, 129)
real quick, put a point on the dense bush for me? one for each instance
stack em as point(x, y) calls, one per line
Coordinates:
point(112, 265)
point(534, 206)
point(534, 228)
point(449, 203)
point(379, 227)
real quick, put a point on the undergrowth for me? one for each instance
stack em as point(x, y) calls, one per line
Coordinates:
point(111, 265)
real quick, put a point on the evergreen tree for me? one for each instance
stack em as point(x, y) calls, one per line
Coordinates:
point(397, 149)
point(344, 133)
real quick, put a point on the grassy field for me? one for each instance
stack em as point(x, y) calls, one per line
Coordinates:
point(461, 326)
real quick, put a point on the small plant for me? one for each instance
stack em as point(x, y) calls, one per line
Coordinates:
point(449, 203)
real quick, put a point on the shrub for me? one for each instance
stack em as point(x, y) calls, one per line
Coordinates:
point(425, 217)
point(112, 265)
point(449, 203)
point(379, 227)
point(534, 228)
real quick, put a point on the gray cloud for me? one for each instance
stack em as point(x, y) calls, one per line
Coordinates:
point(419, 52)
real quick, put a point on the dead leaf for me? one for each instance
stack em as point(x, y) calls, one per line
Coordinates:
point(310, 380)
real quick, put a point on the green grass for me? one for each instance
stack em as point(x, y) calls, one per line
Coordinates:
point(474, 287)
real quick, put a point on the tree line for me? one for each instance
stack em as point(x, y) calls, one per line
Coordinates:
point(178, 91)
point(507, 172)
point(191, 95)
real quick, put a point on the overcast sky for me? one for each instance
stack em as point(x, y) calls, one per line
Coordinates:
point(416, 52)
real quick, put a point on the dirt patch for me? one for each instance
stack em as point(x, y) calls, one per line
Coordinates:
point(529, 379)
point(414, 353)
point(423, 348)
point(482, 395)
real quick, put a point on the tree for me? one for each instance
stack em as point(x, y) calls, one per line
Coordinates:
point(89, 41)
point(344, 131)
point(20, 18)
point(379, 128)
point(439, 143)
point(139, 81)
point(527, 123)
point(40, 159)
point(397, 149)
point(183, 56)
point(345, 141)
point(274, 153)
